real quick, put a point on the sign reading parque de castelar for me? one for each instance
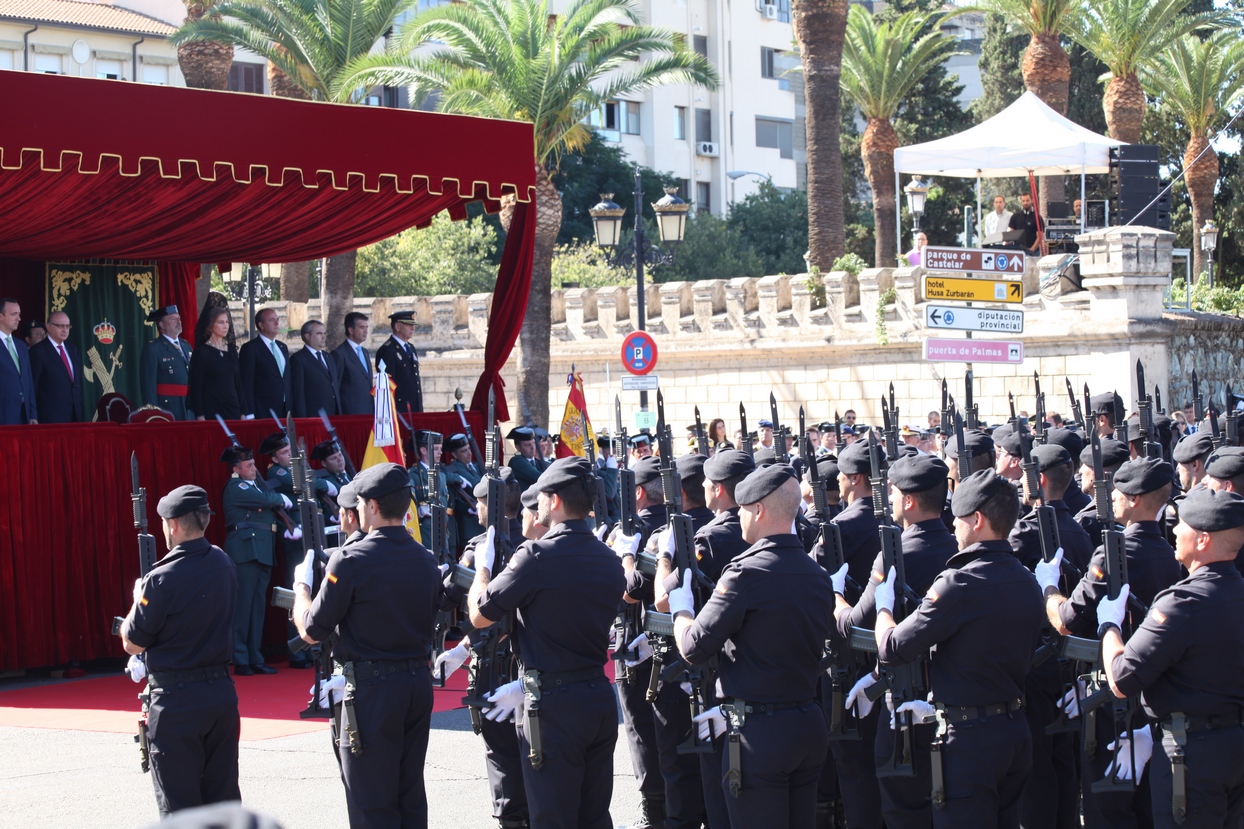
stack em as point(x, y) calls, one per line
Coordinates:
point(974, 260)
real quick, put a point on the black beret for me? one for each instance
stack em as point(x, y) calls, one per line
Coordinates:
point(519, 433)
point(481, 489)
point(233, 454)
point(976, 442)
point(325, 450)
point(907, 450)
point(1194, 446)
point(1011, 441)
point(160, 313)
point(999, 433)
point(918, 473)
point(1113, 453)
point(347, 497)
point(854, 459)
point(273, 442)
point(640, 439)
point(646, 470)
point(728, 463)
point(1208, 428)
point(974, 491)
point(380, 480)
point(1208, 511)
point(762, 483)
point(1226, 463)
point(1141, 475)
point(456, 442)
point(1162, 421)
point(530, 497)
point(1073, 442)
point(402, 316)
point(764, 456)
point(1103, 404)
point(827, 468)
point(563, 472)
point(1133, 429)
point(182, 500)
point(1050, 455)
point(690, 467)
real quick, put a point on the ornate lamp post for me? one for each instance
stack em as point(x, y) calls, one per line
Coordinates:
point(1209, 241)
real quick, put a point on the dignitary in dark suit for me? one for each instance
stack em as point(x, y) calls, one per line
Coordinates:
point(402, 363)
point(17, 388)
point(164, 368)
point(263, 364)
point(57, 369)
point(354, 367)
point(315, 378)
point(214, 370)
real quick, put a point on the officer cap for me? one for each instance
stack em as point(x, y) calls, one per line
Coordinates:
point(1104, 403)
point(234, 454)
point(603, 441)
point(380, 480)
point(273, 443)
point(1073, 442)
point(37, 324)
point(974, 491)
point(1194, 446)
point(976, 442)
point(1141, 475)
point(1050, 455)
point(541, 432)
point(160, 313)
point(1113, 453)
point(825, 426)
point(646, 470)
point(481, 489)
point(764, 456)
point(421, 437)
point(907, 431)
point(690, 468)
point(530, 497)
point(918, 473)
point(521, 433)
point(563, 472)
point(765, 423)
point(641, 439)
point(402, 316)
point(728, 463)
point(907, 450)
point(456, 442)
point(762, 483)
point(1226, 463)
point(1208, 511)
point(182, 500)
point(854, 459)
point(324, 450)
point(347, 497)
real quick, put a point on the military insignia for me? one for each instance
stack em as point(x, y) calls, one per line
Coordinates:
point(1157, 616)
point(143, 601)
point(244, 485)
point(331, 578)
point(1097, 572)
point(105, 332)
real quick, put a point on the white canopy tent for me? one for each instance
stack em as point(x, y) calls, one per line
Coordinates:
point(1025, 138)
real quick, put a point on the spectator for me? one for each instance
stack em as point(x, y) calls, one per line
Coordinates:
point(57, 369)
point(354, 367)
point(264, 369)
point(915, 256)
point(17, 389)
point(315, 381)
point(214, 372)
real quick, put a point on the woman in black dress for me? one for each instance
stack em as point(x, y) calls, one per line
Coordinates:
point(214, 369)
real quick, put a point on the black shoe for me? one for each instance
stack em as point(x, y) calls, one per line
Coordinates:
point(243, 670)
point(651, 814)
point(261, 668)
point(300, 664)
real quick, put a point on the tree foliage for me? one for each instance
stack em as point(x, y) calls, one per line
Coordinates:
point(447, 257)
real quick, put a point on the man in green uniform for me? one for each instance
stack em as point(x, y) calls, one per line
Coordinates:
point(526, 461)
point(461, 476)
point(164, 367)
point(421, 454)
point(250, 541)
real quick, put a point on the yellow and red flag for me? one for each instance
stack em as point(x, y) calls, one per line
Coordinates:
point(383, 444)
point(574, 420)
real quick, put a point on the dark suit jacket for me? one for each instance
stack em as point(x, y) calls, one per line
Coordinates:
point(404, 370)
point(58, 397)
point(263, 385)
point(313, 387)
point(17, 391)
point(355, 380)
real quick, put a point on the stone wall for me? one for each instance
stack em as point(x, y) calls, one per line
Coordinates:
point(722, 342)
point(1212, 345)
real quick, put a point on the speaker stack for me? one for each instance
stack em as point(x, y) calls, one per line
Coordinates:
point(1135, 184)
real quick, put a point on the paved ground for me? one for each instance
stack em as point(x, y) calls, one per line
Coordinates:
point(83, 779)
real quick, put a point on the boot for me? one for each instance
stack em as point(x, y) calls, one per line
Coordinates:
point(651, 814)
point(520, 823)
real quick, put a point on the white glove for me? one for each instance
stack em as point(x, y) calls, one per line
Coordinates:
point(332, 488)
point(425, 511)
point(625, 545)
point(336, 685)
point(1070, 703)
point(444, 568)
point(643, 651)
point(487, 556)
point(507, 702)
point(680, 598)
point(305, 574)
point(288, 503)
point(839, 580)
point(1143, 739)
point(138, 590)
point(451, 660)
point(611, 462)
point(883, 597)
point(856, 697)
point(712, 723)
point(686, 688)
point(665, 543)
point(602, 531)
point(921, 712)
point(1113, 610)
point(136, 668)
point(248, 417)
point(294, 535)
point(1048, 572)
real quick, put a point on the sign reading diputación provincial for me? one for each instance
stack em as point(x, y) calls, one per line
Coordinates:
point(1003, 321)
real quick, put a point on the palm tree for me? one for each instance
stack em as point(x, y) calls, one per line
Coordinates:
point(204, 63)
point(820, 26)
point(1128, 35)
point(881, 63)
point(1198, 81)
point(512, 59)
point(308, 44)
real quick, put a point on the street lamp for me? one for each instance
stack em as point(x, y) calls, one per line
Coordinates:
point(1209, 241)
point(736, 174)
point(916, 191)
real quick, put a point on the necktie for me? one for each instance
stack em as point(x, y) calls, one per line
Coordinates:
point(363, 358)
point(280, 360)
point(320, 355)
point(8, 341)
point(64, 358)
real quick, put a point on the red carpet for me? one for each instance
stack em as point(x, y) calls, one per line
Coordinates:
point(269, 704)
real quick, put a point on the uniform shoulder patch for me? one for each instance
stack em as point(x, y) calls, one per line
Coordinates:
point(878, 576)
point(1097, 572)
point(932, 594)
point(1157, 616)
point(244, 485)
point(331, 577)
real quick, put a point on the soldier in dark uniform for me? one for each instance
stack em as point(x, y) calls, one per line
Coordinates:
point(401, 362)
point(1190, 456)
point(1114, 454)
point(984, 615)
point(827, 469)
point(766, 622)
point(918, 487)
point(1186, 660)
point(641, 447)
point(527, 465)
point(334, 474)
point(378, 600)
point(164, 366)
point(568, 574)
point(461, 476)
point(1074, 498)
point(250, 541)
point(1102, 408)
point(181, 624)
point(421, 452)
point(1224, 472)
point(1141, 489)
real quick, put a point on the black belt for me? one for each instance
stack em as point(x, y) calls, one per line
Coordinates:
point(380, 667)
point(1211, 723)
point(560, 679)
point(965, 713)
point(164, 679)
point(768, 707)
point(250, 525)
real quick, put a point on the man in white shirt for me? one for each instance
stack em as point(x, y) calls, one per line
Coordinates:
point(995, 222)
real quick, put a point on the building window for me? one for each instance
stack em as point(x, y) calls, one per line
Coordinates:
point(767, 55)
point(702, 194)
point(48, 64)
point(684, 189)
point(703, 125)
point(680, 123)
point(630, 120)
point(615, 119)
point(783, 9)
point(246, 77)
point(6, 58)
point(775, 135)
point(156, 74)
point(108, 70)
point(700, 44)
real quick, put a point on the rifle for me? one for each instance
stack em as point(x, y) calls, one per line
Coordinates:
point(466, 428)
point(964, 460)
point(1157, 399)
point(1198, 405)
point(748, 439)
point(280, 513)
point(943, 425)
point(438, 541)
point(889, 430)
point(626, 623)
point(969, 408)
point(600, 509)
point(1144, 408)
point(1014, 418)
point(839, 443)
point(701, 440)
point(341, 447)
point(1215, 435)
point(1233, 422)
point(1076, 412)
point(779, 433)
point(1120, 423)
point(1040, 425)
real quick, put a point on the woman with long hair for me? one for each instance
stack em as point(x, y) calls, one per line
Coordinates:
point(717, 435)
point(214, 378)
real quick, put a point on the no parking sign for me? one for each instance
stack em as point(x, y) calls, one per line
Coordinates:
point(639, 353)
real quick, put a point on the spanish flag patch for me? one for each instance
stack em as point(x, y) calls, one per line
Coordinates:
point(931, 595)
point(1157, 616)
point(143, 601)
point(721, 588)
point(879, 576)
point(1097, 572)
point(331, 578)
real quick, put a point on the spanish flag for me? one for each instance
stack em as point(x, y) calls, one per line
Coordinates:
point(383, 445)
point(574, 421)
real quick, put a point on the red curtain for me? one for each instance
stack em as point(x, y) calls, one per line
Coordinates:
point(68, 555)
point(24, 280)
point(177, 287)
